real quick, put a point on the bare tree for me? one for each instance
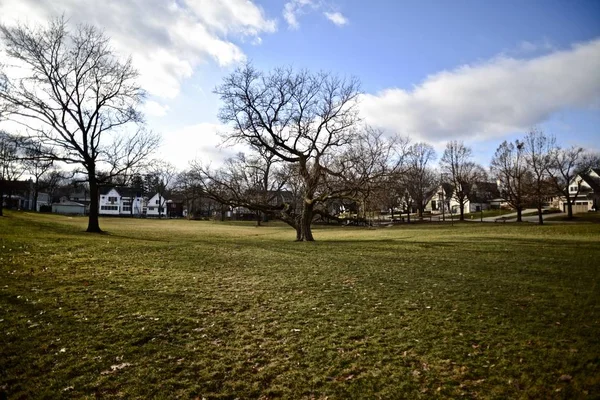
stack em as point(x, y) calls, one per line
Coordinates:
point(565, 165)
point(509, 166)
point(250, 182)
point(538, 148)
point(299, 117)
point(11, 167)
point(461, 172)
point(160, 178)
point(420, 179)
point(37, 164)
point(77, 99)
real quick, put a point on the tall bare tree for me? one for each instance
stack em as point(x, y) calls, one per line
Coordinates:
point(538, 150)
point(11, 167)
point(77, 99)
point(461, 171)
point(299, 117)
point(420, 179)
point(509, 166)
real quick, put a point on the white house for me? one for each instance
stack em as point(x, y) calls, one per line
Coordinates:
point(157, 206)
point(132, 202)
point(585, 189)
point(110, 202)
point(482, 196)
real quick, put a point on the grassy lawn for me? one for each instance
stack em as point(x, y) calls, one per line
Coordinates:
point(593, 217)
point(190, 309)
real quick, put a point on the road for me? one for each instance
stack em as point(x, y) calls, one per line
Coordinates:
point(512, 217)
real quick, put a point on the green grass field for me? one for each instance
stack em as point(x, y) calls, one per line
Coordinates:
point(188, 309)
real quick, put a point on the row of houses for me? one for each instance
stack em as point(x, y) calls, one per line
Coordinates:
point(120, 201)
point(584, 191)
point(125, 201)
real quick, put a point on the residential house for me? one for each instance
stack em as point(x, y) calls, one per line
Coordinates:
point(157, 206)
point(109, 202)
point(585, 188)
point(132, 202)
point(439, 200)
point(121, 201)
point(482, 196)
point(19, 195)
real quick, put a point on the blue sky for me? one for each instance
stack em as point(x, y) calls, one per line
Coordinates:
point(479, 71)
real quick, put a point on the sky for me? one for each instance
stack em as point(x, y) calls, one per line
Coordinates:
point(477, 71)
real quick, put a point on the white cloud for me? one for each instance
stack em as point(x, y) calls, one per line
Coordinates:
point(166, 39)
point(337, 18)
point(491, 99)
point(197, 142)
point(293, 9)
point(155, 109)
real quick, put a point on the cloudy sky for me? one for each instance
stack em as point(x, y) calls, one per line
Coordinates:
point(479, 71)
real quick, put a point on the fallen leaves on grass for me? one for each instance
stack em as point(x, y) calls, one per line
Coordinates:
point(115, 368)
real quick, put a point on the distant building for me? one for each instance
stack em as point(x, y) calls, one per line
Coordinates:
point(68, 207)
point(585, 187)
point(18, 195)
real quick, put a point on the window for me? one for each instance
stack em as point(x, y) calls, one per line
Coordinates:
point(126, 208)
point(433, 205)
point(112, 199)
point(573, 188)
point(156, 202)
point(151, 208)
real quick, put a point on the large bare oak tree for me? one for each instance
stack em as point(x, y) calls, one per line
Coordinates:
point(74, 96)
point(301, 118)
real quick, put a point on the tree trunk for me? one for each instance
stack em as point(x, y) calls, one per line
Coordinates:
point(258, 218)
point(569, 209)
point(159, 205)
point(306, 221)
point(519, 217)
point(35, 196)
point(540, 216)
point(1, 198)
point(462, 211)
point(93, 223)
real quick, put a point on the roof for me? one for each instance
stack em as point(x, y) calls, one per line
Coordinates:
point(105, 189)
point(482, 192)
point(69, 204)
point(16, 185)
point(592, 181)
point(129, 192)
